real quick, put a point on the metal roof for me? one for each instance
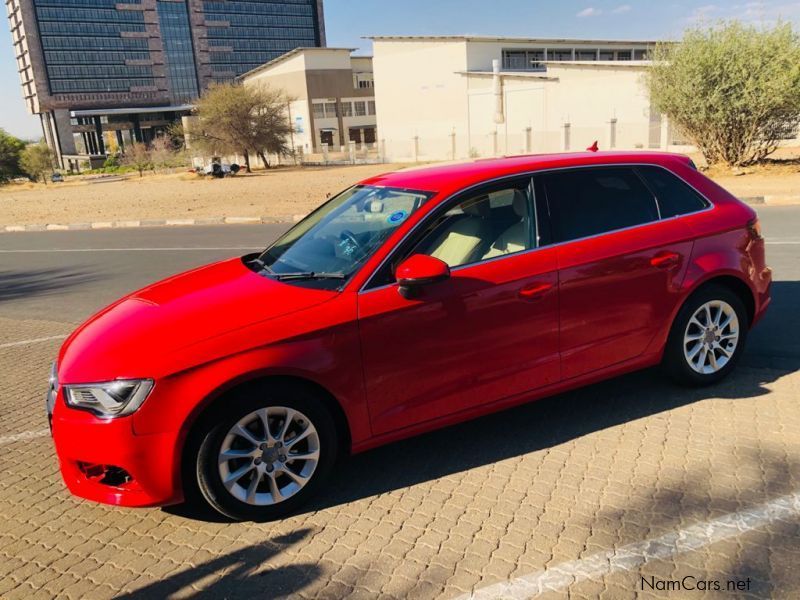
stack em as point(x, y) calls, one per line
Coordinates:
point(489, 38)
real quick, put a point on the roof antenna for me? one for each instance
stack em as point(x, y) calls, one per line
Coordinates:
point(593, 148)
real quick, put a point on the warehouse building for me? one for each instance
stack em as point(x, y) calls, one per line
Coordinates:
point(455, 97)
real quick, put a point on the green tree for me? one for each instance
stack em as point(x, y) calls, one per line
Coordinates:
point(733, 89)
point(10, 151)
point(137, 155)
point(241, 119)
point(37, 161)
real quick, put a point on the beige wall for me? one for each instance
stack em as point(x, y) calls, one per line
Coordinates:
point(441, 91)
point(419, 93)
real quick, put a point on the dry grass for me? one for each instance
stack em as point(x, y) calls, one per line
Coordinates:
point(280, 192)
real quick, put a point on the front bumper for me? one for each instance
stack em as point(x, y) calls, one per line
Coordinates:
point(105, 461)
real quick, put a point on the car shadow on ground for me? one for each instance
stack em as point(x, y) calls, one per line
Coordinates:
point(555, 420)
point(15, 285)
point(244, 574)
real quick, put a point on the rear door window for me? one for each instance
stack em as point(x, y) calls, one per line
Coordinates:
point(590, 201)
point(674, 196)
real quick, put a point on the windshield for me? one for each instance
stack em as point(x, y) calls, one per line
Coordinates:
point(337, 238)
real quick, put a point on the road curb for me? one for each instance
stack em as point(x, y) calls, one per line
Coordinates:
point(768, 200)
point(132, 223)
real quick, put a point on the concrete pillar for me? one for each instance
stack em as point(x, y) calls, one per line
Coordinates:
point(565, 141)
point(98, 130)
point(528, 140)
point(325, 153)
point(382, 150)
point(352, 151)
point(416, 148)
point(612, 134)
point(494, 143)
point(453, 145)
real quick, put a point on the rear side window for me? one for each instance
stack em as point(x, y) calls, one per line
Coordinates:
point(674, 196)
point(586, 202)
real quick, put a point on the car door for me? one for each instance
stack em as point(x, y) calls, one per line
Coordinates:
point(488, 332)
point(620, 265)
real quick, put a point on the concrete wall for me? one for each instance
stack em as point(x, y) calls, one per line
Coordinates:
point(419, 93)
point(440, 92)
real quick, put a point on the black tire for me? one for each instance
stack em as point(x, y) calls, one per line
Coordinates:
point(675, 362)
point(203, 450)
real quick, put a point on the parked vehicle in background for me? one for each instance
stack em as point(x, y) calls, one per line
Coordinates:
point(220, 169)
point(56, 178)
point(408, 302)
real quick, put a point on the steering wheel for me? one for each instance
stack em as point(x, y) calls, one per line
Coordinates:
point(350, 237)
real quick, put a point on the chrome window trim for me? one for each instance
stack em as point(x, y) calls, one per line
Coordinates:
point(711, 206)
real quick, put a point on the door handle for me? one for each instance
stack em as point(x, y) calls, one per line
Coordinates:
point(665, 260)
point(535, 291)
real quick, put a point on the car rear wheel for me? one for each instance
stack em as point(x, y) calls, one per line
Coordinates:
point(707, 336)
point(266, 454)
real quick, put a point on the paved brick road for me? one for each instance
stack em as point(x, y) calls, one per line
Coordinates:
point(498, 498)
point(537, 496)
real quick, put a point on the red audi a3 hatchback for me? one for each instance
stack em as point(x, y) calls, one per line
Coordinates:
point(410, 301)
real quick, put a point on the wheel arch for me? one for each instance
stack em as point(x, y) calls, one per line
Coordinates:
point(735, 284)
point(206, 410)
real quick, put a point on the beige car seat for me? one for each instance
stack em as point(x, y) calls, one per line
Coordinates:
point(466, 238)
point(515, 238)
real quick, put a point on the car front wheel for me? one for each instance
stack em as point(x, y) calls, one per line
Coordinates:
point(707, 337)
point(267, 455)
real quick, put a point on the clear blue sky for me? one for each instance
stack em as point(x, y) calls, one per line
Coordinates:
point(347, 20)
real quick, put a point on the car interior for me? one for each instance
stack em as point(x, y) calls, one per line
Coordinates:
point(487, 226)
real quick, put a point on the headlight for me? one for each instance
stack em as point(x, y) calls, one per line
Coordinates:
point(110, 399)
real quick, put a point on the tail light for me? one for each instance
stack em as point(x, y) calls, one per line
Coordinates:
point(754, 228)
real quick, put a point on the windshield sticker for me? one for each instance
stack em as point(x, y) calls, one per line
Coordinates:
point(397, 216)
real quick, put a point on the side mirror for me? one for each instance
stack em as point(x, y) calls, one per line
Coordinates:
point(417, 271)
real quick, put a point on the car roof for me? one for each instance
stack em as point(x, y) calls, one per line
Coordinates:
point(450, 177)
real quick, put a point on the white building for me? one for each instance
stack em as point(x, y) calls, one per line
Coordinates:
point(454, 97)
point(332, 97)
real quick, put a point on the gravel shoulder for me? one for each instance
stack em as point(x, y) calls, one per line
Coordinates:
point(281, 193)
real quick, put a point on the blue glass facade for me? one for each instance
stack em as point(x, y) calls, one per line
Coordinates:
point(106, 69)
point(86, 49)
point(256, 31)
point(176, 37)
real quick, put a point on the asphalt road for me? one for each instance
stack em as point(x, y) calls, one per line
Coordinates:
point(66, 276)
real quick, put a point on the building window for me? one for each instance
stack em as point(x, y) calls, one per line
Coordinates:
point(330, 109)
point(366, 83)
point(606, 55)
point(347, 109)
point(623, 55)
point(586, 55)
point(559, 55)
point(319, 110)
point(523, 60)
point(361, 109)
point(371, 107)
point(640, 55)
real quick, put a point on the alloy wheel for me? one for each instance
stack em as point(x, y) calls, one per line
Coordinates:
point(269, 455)
point(711, 337)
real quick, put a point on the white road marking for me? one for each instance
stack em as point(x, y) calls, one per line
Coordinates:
point(32, 341)
point(25, 435)
point(175, 249)
point(635, 555)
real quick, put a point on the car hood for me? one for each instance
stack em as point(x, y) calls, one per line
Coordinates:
point(145, 333)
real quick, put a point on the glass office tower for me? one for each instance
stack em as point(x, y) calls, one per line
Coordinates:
point(105, 73)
